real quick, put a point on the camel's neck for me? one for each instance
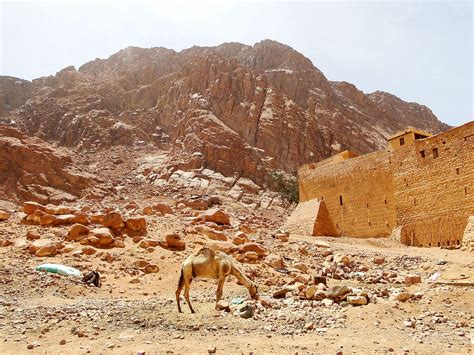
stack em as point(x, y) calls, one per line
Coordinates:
point(241, 277)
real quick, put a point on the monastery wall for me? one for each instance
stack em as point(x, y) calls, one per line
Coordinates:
point(433, 182)
point(357, 192)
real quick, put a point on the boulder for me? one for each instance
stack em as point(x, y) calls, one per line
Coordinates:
point(104, 237)
point(240, 238)
point(47, 250)
point(338, 292)
point(148, 211)
point(342, 259)
point(113, 220)
point(378, 260)
point(319, 279)
point(5, 242)
point(37, 244)
point(251, 256)
point(357, 300)
point(412, 279)
point(174, 241)
point(32, 235)
point(274, 260)
point(77, 232)
point(151, 269)
point(223, 306)
point(252, 247)
point(30, 207)
point(163, 209)
point(88, 250)
point(216, 215)
point(211, 233)
point(4, 216)
point(225, 247)
point(301, 266)
point(136, 226)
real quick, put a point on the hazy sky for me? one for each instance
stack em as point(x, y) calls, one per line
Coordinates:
point(418, 50)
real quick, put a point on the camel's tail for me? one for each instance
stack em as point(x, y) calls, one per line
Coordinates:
point(181, 278)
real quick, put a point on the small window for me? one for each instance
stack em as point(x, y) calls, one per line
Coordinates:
point(414, 202)
point(367, 204)
point(429, 244)
point(385, 201)
point(435, 152)
point(465, 191)
point(422, 153)
point(340, 200)
point(439, 244)
point(457, 171)
point(402, 141)
point(369, 224)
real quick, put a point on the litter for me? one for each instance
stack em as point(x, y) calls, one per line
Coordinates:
point(435, 276)
point(237, 300)
point(59, 269)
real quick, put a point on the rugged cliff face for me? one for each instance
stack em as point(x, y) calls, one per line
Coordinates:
point(237, 109)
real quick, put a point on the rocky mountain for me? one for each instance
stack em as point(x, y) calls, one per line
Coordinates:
point(31, 169)
point(236, 109)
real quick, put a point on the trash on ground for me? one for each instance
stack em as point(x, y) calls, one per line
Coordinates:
point(92, 278)
point(59, 269)
point(237, 300)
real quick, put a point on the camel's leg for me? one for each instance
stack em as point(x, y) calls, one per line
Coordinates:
point(220, 287)
point(187, 284)
point(178, 292)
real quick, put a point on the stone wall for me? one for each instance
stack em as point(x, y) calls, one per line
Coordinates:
point(358, 193)
point(425, 187)
point(433, 182)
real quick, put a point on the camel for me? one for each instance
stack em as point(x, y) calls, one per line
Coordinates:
point(210, 265)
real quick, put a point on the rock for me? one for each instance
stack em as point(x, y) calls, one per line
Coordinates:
point(5, 242)
point(134, 281)
point(30, 207)
point(32, 235)
point(151, 269)
point(281, 293)
point(47, 250)
point(357, 300)
point(216, 215)
point(77, 232)
point(274, 261)
point(88, 250)
point(148, 211)
point(341, 259)
point(223, 306)
point(211, 233)
point(412, 279)
point(379, 260)
point(309, 326)
point(240, 238)
point(301, 266)
point(247, 311)
point(163, 209)
point(319, 279)
point(118, 243)
point(174, 241)
point(136, 226)
point(225, 247)
point(104, 236)
point(4, 216)
point(38, 244)
point(113, 220)
point(266, 302)
point(282, 236)
point(310, 292)
point(62, 342)
point(327, 302)
point(252, 247)
point(338, 291)
point(402, 296)
point(211, 349)
point(251, 256)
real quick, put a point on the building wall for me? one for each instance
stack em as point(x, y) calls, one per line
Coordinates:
point(430, 197)
point(434, 195)
point(364, 186)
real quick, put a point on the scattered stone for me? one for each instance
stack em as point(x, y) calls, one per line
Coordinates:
point(113, 220)
point(136, 226)
point(62, 342)
point(104, 237)
point(151, 269)
point(216, 215)
point(174, 241)
point(163, 209)
point(32, 235)
point(211, 233)
point(357, 300)
point(274, 260)
point(252, 247)
point(77, 232)
point(412, 279)
point(319, 279)
point(211, 350)
point(247, 311)
point(379, 260)
point(5, 242)
point(47, 250)
point(223, 306)
point(4, 216)
point(301, 266)
point(342, 259)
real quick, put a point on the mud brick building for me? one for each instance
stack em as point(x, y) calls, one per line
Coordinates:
point(421, 187)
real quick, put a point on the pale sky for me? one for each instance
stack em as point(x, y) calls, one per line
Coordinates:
point(420, 51)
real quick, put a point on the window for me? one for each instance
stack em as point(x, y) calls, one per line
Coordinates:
point(422, 153)
point(435, 152)
point(465, 191)
point(402, 141)
point(457, 171)
point(340, 200)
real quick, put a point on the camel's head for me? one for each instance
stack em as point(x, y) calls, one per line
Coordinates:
point(254, 291)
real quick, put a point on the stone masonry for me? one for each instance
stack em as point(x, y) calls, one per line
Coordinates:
point(424, 185)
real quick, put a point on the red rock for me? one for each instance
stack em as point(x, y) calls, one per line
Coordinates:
point(211, 233)
point(32, 235)
point(240, 238)
point(88, 250)
point(252, 247)
point(225, 247)
point(379, 260)
point(38, 244)
point(217, 215)
point(251, 256)
point(273, 260)
point(174, 241)
point(412, 279)
point(136, 226)
point(47, 250)
point(5, 242)
point(148, 211)
point(118, 243)
point(77, 232)
point(104, 236)
point(30, 207)
point(113, 220)
point(4, 216)
point(151, 269)
point(163, 209)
